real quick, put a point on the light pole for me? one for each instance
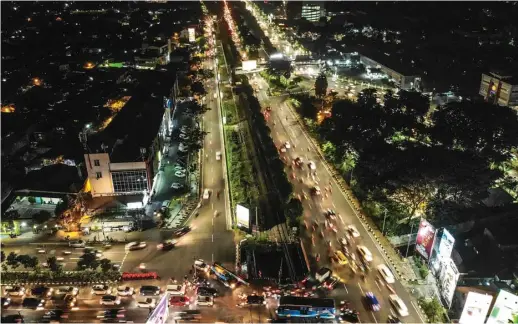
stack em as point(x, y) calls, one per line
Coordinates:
point(409, 238)
point(384, 219)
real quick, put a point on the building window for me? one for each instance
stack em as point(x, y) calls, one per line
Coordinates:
point(96, 163)
point(99, 175)
point(129, 181)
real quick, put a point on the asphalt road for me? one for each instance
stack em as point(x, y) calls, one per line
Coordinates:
point(286, 128)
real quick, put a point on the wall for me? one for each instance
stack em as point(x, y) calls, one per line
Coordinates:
point(102, 185)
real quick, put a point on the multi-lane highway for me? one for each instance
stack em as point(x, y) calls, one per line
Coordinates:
point(285, 128)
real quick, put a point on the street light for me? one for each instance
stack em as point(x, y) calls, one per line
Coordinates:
point(384, 218)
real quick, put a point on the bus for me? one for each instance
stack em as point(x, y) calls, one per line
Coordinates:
point(290, 306)
point(227, 277)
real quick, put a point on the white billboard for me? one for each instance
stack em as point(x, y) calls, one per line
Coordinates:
point(448, 277)
point(249, 65)
point(505, 309)
point(476, 308)
point(446, 242)
point(243, 216)
point(192, 34)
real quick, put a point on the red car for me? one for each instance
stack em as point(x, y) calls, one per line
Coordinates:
point(179, 301)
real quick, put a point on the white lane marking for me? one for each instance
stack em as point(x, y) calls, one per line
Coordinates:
point(212, 257)
point(339, 215)
point(75, 258)
point(212, 237)
point(345, 287)
point(123, 259)
point(360, 288)
point(376, 282)
point(334, 206)
point(372, 313)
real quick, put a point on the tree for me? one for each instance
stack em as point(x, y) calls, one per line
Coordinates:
point(88, 261)
point(195, 138)
point(31, 200)
point(294, 209)
point(106, 265)
point(433, 310)
point(12, 260)
point(307, 108)
point(61, 207)
point(53, 264)
point(321, 85)
point(32, 262)
point(198, 88)
point(3, 256)
point(41, 217)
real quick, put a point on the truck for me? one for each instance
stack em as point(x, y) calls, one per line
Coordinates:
point(323, 274)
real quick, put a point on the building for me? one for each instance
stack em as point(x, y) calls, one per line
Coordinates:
point(312, 11)
point(403, 80)
point(500, 89)
point(124, 158)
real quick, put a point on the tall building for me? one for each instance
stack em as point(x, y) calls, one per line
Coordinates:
point(312, 11)
point(500, 89)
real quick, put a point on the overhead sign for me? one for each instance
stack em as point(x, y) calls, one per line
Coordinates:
point(425, 238)
point(249, 65)
point(243, 216)
point(448, 278)
point(505, 309)
point(192, 34)
point(476, 308)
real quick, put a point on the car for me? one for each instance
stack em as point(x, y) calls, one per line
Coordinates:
point(41, 251)
point(166, 245)
point(386, 273)
point(63, 290)
point(55, 315)
point(282, 149)
point(333, 228)
point(287, 145)
point(312, 166)
point(97, 253)
point(100, 289)
point(125, 291)
point(315, 191)
point(341, 258)
point(206, 194)
point(110, 300)
point(330, 213)
point(204, 300)
point(298, 161)
point(218, 156)
point(343, 241)
point(77, 244)
point(146, 303)
point(149, 291)
point(69, 301)
point(201, 265)
point(331, 282)
point(132, 246)
point(206, 291)
point(393, 319)
point(365, 253)
point(67, 252)
point(6, 301)
point(42, 292)
point(372, 301)
point(13, 318)
point(180, 174)
point(112, 314)
point(14, 291)
point(349, 316)
point(176, 290)
point(179, 301)
point(165, 204)
point(33, 303)
point(181, 231)
point(399, 305)
point(353, 230)
point(176, 185)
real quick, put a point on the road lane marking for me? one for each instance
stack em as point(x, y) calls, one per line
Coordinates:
point(339, 215)
point(372, 313)
point(212, 237)
point(346, 291)
point(376, 282)
point(212, 257)
point(360, 288)
point(123, 259)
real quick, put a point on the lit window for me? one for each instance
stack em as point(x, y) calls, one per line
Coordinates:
point(96, 163)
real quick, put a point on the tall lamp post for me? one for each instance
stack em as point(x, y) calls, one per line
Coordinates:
point(384, 219)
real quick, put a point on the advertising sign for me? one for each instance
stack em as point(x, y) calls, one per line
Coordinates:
point(448, 277)
point(243, 216)
point(249, 65)
point(446, 242)
point(505, 309)
point(192, 35)
point(161, 312)
point(476, 308)
point(425, 238)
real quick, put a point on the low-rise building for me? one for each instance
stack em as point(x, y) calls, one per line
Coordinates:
point(500, 88)
point(403, 80)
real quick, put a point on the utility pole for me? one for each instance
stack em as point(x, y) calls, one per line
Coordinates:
point(409, 237)
point(384, 218)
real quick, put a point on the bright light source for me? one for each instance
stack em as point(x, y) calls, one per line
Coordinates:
point(24, 224)
point(276, 56)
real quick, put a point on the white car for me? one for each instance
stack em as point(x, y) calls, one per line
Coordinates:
point(283, 149)
point(176, 185)
point(101, 290)
point(146, 303)
point(353, 230)
point(312, 165)
point(218, 156)
point(110, 300)
point(205, 300)
point(176, 290)
point(386, 273)
point(136, 246)
point(365, 253)
point(201, 265)
point(206, 194)
point(180, 174)
point(343, 241)
point(287, 145)
point(77, 244)
point(399, 305)
point(125, 291)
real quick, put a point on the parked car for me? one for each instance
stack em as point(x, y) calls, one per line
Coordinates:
point(180, 174)
point(110, 300)
point(146, 303)
point(176, 185)
point(100, 290)
point(77, 244)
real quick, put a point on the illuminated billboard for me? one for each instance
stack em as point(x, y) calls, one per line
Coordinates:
point(475, 308)
point(249, 65)
point(505, 309)
point(425, 238)
point(446, 242)
point(243, 216)
point(448, 278)
point(160, 313)
point(192, 34)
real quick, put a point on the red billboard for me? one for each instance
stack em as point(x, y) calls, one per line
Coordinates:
point(425, 238)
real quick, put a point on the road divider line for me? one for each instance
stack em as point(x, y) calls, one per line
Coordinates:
point(361, 289)
point(375, 320)
point(346, 291)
